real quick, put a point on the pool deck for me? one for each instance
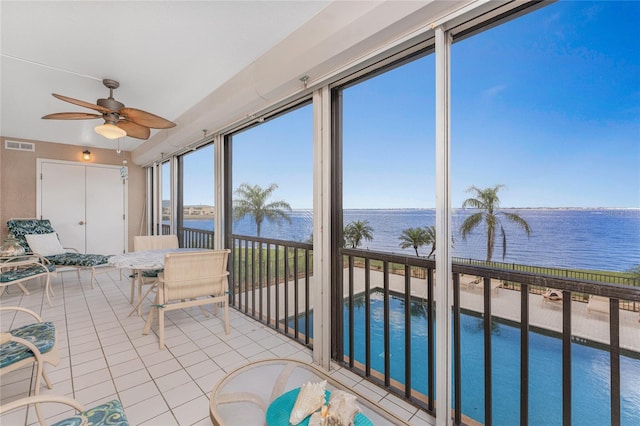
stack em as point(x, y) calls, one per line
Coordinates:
point(505, 303)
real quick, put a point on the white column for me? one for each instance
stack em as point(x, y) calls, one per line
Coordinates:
point(321, 281)
point(157, 198)
point(219, 182)
point(173, 166)
point(443, 294)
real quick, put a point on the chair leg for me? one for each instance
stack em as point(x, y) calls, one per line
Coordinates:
point(204, 311)
point(47, 289)
point(147, 325)
point(46, 379)
point(23, 288)
point(139, 302)
point(93, 273)
point(134, 275)
point(140, 282)
point(226, 316)
point(161, 327)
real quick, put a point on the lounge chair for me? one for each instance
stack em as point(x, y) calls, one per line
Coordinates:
point(552, 295)
point(38, 236)
point(598, 304)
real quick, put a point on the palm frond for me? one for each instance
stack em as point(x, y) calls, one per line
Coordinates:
point(470, 224)
point(518, 220)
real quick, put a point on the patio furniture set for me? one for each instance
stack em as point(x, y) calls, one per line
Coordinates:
point(182, 278)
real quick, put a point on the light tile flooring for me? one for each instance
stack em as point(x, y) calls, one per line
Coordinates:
point(105, 356)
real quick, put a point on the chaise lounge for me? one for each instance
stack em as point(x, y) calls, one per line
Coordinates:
point(45, 242)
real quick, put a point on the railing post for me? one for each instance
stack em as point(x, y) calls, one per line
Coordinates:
point(488, 390)
point(524, 354)
point(566, 358)
point(457, 356)
point(614, 354)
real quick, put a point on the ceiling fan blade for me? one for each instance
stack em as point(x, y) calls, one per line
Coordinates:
point(71, 116)
point(146, 118)
point(82, 103)
point(134, 130)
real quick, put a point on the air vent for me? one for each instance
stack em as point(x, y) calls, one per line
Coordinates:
point(20, 146)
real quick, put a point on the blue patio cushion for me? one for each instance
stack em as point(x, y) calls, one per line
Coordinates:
point(20, 273)
point(78, 259)
point(41, 334)
point(152, 274)
point(110, 413)
point(21, 227)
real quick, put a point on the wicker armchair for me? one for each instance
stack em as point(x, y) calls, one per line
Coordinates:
point(191, 279)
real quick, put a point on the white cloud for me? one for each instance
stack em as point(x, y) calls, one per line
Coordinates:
point(493, 91)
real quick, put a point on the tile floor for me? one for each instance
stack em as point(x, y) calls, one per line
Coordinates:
point(105, 356)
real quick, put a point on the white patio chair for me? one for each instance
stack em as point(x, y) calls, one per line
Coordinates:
point(143, 243)
point(191, 279)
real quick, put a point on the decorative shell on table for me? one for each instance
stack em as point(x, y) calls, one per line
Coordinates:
point(342, 408)
point(310, 399)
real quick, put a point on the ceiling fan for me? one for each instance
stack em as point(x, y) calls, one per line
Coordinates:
point(119, 121)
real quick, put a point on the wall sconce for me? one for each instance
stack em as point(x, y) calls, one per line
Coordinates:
point(86, 155)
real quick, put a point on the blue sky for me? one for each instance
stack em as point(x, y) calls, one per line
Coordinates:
point(547, 104)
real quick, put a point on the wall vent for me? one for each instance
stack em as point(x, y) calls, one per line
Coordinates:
point(20, 146)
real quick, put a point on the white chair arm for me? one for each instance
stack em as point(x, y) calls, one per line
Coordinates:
point(19, 308)
point(30, 400)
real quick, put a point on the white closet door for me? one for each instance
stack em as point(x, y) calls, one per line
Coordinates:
point(85, 203)
point(63, 202)
point(105, 197)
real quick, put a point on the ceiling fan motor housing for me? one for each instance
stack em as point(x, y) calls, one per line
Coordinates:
point(111, 103)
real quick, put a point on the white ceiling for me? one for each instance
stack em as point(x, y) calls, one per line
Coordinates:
point(167, 56)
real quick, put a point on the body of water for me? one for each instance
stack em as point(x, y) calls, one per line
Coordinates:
point(597, 239)
point(590, 367)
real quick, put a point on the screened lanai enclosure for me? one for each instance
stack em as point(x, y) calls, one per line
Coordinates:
point(332, 193)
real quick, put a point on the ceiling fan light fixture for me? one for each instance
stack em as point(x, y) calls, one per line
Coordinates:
point(110, 131)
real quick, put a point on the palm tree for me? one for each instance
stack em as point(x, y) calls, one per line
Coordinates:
point(418, 237)
point(357, 231)
point(488, 202)
point(252, 201)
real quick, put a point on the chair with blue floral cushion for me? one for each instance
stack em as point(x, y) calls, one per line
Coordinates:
point(108, 414)
point(18, 269)
point(38, 236)
point(27, 344)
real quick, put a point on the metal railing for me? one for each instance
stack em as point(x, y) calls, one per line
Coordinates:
point(270, 281)
point(192, 237)
point(366, 271)
point(196, 238)
point(563, 272)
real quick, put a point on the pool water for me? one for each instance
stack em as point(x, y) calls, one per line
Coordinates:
point(590, 368)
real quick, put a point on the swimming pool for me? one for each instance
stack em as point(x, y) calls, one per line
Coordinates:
point(590, 368)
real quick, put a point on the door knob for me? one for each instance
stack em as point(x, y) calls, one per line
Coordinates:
point(81, 223)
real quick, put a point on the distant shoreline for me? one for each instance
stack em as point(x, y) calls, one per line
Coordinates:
point(209, 217)
point(199, 216)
